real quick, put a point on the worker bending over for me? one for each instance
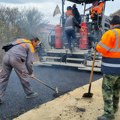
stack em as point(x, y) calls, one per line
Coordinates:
point(20, 57)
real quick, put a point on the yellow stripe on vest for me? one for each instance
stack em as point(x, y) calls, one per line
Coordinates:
point(24, 44)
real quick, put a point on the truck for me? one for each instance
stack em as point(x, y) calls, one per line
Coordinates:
point(87, 37)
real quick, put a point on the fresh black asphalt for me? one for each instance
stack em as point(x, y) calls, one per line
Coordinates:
point(66, 79)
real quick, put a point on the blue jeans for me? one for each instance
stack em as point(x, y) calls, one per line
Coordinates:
point(71, 37)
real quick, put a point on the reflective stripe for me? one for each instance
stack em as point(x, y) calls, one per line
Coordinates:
point(68, 27)
point(31, 48)
point(117, 39)
point(104, 46)
point(110, 65)
point(25, 45)
point(30, 45)
point(116, 49)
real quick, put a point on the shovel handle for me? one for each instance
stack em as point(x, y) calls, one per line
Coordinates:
point(92, 69)
point(56, 90)
point(91, 74)
point(40, 81)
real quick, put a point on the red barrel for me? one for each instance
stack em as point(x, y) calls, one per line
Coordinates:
point(58, 36)
point(83, 42)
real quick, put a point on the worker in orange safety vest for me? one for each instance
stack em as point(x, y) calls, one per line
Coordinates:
point(96, 11)
point(109, 47)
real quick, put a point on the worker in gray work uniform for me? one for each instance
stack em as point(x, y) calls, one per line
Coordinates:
point(20, 57)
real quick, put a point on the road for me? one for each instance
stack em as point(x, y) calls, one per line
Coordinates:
point(15, 102)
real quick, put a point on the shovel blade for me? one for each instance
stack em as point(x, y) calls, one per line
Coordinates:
point(56, 89)
point(87, 95)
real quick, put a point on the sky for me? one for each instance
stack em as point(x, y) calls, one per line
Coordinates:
point(47, 7)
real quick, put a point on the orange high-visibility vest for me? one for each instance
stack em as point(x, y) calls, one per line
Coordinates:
point(97, 9)
point(109, 45)
point(24, 44)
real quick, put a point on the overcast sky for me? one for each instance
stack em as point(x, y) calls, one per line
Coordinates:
point(47, 7)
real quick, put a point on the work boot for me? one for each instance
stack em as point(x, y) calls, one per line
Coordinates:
point(32, 95)
point(104, 117)
point(1, 101)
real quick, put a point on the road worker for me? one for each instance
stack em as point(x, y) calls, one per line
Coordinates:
point(76, 13)
point(109, 47)
point(96, 12)
point(77, 16)
point(20, 57)
point(70, 24)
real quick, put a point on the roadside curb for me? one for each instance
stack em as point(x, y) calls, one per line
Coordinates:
point(71, 106)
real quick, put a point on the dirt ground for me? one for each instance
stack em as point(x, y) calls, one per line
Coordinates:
point(71, 106)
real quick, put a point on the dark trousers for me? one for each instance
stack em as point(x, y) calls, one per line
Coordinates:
point(71, 37)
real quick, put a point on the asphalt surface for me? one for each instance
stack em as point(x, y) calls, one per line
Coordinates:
point(15, 102)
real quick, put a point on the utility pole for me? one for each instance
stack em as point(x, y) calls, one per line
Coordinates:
point(63, 21)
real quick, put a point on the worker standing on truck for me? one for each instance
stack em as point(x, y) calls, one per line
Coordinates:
point(77, 16)
point(20, 57)
point(109, 47)
point(70, 24)
point(96, 11)
point(76, 13)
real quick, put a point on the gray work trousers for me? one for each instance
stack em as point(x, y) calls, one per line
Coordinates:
point(19, 66)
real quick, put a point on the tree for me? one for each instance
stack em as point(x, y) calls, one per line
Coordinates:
point(30, 21)
point(15, 23)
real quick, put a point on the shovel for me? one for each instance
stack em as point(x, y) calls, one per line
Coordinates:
point(54, 89)
point(89, 94)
